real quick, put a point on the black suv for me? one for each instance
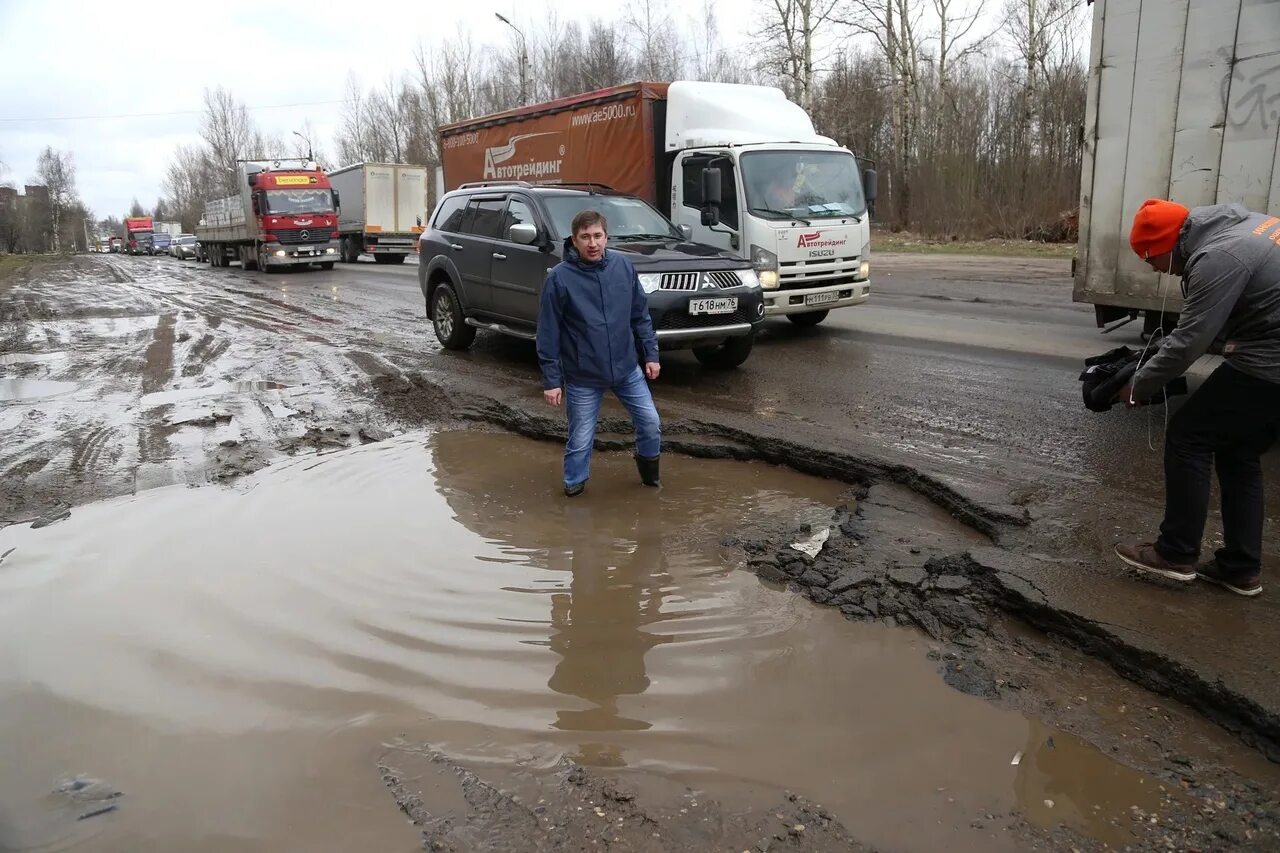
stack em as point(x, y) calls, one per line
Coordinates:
point(487, 252)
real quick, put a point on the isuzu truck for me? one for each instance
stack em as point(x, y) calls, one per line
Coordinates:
point(737, 167)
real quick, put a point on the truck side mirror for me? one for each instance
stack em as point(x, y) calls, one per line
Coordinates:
point(870, 184)
point(711, 189)
point(256, 210)
point(337, 200)
point(710, 215)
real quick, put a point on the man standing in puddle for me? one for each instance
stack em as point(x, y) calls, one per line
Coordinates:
point(593, 332)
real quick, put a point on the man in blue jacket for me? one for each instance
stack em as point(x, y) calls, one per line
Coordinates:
point(593, 329)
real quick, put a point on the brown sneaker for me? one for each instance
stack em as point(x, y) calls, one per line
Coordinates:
point(1144, 557)
point(1247, 585)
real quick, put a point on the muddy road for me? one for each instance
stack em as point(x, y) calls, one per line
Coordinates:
point(872, 608)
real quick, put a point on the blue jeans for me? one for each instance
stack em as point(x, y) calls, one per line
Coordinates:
point(583, 404)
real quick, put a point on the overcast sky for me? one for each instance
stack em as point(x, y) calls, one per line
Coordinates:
point(120, 89)
point(71, 59)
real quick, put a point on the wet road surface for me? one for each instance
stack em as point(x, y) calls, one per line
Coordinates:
point(121, 375)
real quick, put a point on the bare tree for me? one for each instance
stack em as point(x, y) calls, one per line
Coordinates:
point(655, 42)
point(791, 33)
point(228, 132)
point(956, 22)
point(136, 209)
point(57, 172)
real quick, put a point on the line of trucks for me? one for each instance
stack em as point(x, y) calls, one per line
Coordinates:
point(1181, 103)
point(777, 194)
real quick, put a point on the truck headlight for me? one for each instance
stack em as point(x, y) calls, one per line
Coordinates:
point(766, 266)
point(748, 278)
point(328, 251)
point(864, 271)
point(650, 281)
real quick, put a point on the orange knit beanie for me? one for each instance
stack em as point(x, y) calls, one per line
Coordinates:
point(1156, 226)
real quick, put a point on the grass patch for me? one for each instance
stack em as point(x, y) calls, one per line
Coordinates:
point(885, 241)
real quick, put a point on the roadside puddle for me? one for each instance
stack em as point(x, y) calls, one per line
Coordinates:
point(218, 389)
point(14, 390)
point(233, 660)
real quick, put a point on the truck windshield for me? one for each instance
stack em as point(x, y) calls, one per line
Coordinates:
point(808, 184)
point(627, 217)
point(299, 201)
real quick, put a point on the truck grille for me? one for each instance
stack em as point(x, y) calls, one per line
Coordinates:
point(294, 236)
point(679, 320)
point(686, 281)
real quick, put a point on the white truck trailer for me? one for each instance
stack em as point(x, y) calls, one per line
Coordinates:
point(1183, 103)
point(383, 208)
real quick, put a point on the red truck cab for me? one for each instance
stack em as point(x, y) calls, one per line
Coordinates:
point(296, 216)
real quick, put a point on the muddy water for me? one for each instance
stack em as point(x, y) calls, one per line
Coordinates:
point(233, 660)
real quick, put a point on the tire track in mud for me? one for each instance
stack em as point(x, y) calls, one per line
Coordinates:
point(157, 367)
point(87, 451)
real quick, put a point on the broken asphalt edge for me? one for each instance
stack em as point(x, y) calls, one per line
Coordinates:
point(418, 398)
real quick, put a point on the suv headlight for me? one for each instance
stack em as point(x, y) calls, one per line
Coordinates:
point(748, 278)
point(650, 281)
point(766, 265)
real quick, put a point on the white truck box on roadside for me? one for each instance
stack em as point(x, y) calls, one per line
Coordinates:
point(1183, 103)
point(383, 208)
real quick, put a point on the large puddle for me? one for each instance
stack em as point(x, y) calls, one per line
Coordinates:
point(234, 660)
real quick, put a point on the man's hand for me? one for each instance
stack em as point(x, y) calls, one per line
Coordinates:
point(554, 397)
point(651, 370)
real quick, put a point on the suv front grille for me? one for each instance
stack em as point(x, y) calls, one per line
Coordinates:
point(684, 320)
point(687, 281)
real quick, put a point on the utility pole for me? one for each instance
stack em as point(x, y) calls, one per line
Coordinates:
point(524, 60)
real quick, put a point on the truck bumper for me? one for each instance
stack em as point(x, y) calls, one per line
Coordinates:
point(800, 301)
point(280, 255)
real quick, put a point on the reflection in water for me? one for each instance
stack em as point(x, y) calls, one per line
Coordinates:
point(598, 626)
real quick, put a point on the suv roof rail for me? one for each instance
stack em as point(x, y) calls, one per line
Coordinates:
point(473, 184)
point(590, 185)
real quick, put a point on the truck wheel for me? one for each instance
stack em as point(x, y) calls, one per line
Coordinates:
point(248, 259)
point(810, 318)
point(350, 250)
point(446, 315)
point(381, 260)
point(326, 265)
point(727, 355)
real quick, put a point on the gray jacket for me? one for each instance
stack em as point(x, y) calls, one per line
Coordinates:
point(1231, 285)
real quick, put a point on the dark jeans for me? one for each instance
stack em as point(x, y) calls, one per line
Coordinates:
point(1228, 423)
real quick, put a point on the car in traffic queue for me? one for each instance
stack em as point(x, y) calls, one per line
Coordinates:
point(183, 247)
point(485, 257)
point(160, 242)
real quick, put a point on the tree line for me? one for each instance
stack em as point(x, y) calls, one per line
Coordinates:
point(50, 217)
point(972, 113)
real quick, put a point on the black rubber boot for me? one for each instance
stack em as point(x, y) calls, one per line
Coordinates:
point(648, 468)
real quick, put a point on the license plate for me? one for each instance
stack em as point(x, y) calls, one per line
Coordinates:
point(822, 298)
point(722, 305)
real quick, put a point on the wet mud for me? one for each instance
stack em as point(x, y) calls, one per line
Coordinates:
point(996, 720)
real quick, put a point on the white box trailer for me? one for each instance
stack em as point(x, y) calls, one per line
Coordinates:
point(383, 208)
point(1183, 103)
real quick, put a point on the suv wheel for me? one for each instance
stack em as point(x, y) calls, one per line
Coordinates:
point(727, 355)
point(446, 315)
